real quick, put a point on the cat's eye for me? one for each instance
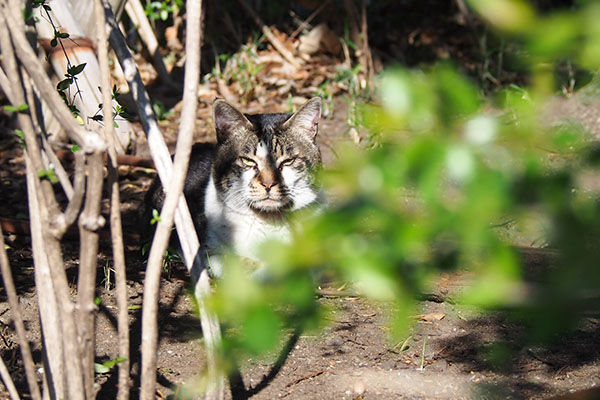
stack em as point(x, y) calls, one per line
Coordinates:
point(287, 163)
point(248, 162)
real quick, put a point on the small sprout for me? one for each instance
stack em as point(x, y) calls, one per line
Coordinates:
point(97, 301)
point(75, 148)
point(105, 367)
point(21, 136)
point(155, 217)
point(12, 109)
point(48, 174)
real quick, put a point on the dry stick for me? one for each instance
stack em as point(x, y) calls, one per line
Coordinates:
point(135, 10)
point(8, 382)
point(116, 229)
point(280, 47)
point(51, 158)
point(53, 348)
point(40, 196)
point(305, 23)
point(5, 84)
point(164, 167)
point(15, 308)
point(90, 221)
point(366, 49)
point(18, 98)
point(215, 388)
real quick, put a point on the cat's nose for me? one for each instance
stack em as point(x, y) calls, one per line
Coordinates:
point(268, 185)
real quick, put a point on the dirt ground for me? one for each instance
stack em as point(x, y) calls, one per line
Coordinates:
point(448, 354)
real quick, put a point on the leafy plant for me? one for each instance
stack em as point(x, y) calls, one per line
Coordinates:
point(162, 10)
point(433, 192)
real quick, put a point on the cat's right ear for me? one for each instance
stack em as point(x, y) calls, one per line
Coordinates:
point(228, 120)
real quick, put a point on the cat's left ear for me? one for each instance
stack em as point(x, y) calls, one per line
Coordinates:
point(306, 119)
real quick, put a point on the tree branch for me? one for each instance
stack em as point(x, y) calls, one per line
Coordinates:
point(90, 221)
point(15, 308)
point(8, 382)
point(116, 229)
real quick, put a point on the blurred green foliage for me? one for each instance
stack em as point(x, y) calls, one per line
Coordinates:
point(445, 172)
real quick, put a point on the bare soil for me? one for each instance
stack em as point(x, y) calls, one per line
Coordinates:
point(449, 353)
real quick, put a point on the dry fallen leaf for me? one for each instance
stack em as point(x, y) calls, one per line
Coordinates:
point(431, 317)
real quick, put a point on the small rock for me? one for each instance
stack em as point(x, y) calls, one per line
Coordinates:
point(359, 387)
point(388, 365)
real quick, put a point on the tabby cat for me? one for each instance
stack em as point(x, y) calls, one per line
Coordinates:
point(241, 190)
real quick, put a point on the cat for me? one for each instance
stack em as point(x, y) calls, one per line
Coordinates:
point(241, 190)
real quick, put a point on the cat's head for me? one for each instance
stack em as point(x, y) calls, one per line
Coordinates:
point(264, 162)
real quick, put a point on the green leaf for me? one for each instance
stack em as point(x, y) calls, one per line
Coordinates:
point(19, 108)
point(64, 84)
point(53, 42)
point(75, 148)
point(101, 369)
point(111, 363)
point(48, 174)
point(77, 69)
point(62, 35)
point(262, 329)
point(155, 217)
point(21, 136)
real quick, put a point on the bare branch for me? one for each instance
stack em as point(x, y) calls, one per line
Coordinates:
point(15, 308)
point(163, 230)
point(280, 47)
point(46, 246)
point(135, 10)
point(8, 382)
point(162, 161)
point(90, 221)
point(116, 229)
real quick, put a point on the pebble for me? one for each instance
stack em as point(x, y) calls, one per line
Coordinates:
point(359, 387)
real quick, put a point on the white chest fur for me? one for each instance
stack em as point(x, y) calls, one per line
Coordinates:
point(240, 231)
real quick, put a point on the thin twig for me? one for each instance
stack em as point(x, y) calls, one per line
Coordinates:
point(15, 308)
point(280, 47)
point(116, 228)
point(8, 382)
point(90, 221)
point(135, 10)
point(305, 23)
point(174, 188)
point(42, 203)
point(162, 160)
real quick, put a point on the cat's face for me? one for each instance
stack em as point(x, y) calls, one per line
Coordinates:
point(264, 162)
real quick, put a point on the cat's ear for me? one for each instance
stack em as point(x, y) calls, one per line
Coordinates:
point(306, 119)
point(228, 120)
